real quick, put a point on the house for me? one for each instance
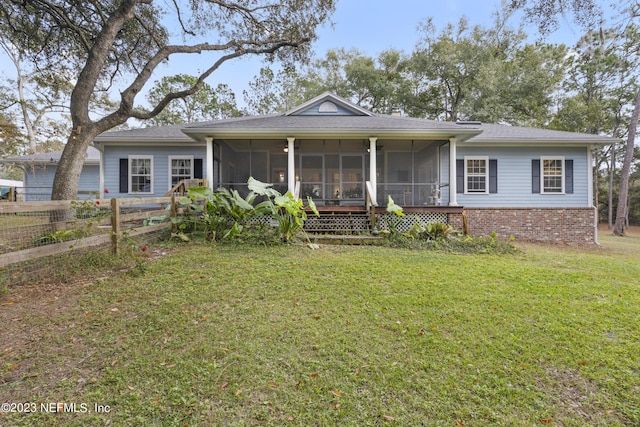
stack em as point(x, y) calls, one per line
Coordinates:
point(39, 170)
point(533, 184)
point(8, 189)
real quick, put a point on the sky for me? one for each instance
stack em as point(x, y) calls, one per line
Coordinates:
point(370, 26)
point(373, 26)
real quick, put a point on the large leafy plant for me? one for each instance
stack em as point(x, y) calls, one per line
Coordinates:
point(287, 211)
point(224, 213)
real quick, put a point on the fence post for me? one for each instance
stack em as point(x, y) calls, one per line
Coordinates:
point(174, 214)
point(115, 225)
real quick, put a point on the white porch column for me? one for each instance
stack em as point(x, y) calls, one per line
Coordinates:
point(373, 178)
point(291, 165)
point(453, 185)
point(210, 161)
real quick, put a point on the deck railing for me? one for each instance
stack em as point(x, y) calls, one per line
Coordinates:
point(182, 187)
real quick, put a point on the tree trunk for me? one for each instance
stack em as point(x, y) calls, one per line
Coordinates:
point(65, 182)
point(619, 227)
point(594, 184)
point(612, 169)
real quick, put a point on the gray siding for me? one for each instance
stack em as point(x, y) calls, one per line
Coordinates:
point(113, 154)
point(514, 177)
point(38, 181)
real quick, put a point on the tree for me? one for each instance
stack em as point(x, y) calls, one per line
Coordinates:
point(205, 104)
point(103, 43)
point(486, 74)
point(36, 98)
point(271, 92)
point(517, 86)
point(10, 140)
point(378, 84)
point(446, 66)
point(587, 13)
point(600, 80)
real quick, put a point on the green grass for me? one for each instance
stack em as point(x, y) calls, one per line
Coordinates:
point(240, 335)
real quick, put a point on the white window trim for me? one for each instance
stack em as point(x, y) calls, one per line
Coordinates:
point(169, 167)
point(486, 181)
point(542, 160)
point(144, 157)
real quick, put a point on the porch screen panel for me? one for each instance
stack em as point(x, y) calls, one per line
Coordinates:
point(312, 176)
point(398, 178)
point(352, 177)
point(426, 188)
point(279, 172)
point(332, 188)
point(259, 163)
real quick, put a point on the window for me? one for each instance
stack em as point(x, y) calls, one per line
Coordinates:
point(552, 174)
point(180, 168)
point(141, 174)
point(476, 175)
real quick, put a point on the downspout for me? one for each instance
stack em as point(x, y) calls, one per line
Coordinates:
point(100, 149)
point(590, 191)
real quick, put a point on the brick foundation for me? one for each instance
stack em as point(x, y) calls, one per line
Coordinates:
point(556, 225)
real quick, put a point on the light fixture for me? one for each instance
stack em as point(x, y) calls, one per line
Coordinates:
point(286, 148)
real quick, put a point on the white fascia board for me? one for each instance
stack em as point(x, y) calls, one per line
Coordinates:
point(535, 142)
point(331, 133)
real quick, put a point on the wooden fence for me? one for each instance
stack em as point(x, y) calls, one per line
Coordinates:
point(119, 219)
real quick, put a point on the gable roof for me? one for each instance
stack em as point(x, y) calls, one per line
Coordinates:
point(314, 126)
point(330, 116)
point(92, 157)
point(327, 99)
point(167, 133)
point(309, 120)
point(505, 134)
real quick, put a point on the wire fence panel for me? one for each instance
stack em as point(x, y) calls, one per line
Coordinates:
point(35, 236)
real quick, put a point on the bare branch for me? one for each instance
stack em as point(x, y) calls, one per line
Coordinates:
point(179, 14)
point(129, 93)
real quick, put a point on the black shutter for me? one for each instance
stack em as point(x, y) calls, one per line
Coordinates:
point(568, 176)
point(460, 176)
point(493, 176)
point(535, 175)
point(124, 175)
point(197, 169)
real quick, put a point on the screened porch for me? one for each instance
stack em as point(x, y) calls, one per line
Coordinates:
point(334, 172)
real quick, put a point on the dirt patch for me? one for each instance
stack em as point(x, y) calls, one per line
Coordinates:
point(29, 313)
point(632, 231)
point(576, 395)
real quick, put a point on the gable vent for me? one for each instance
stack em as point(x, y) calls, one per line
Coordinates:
point(328, 107)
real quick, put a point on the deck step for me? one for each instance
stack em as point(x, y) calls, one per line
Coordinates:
point(341, 239)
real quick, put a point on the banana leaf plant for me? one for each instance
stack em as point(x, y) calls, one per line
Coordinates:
point(287, 211)
point(225, 212)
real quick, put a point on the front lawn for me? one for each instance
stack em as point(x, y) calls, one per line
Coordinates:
point(286, 335)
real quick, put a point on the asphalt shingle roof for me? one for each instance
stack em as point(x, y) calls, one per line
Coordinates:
point(506, 133)
point(371, 124)
point(93, 156)
point(375, 122)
